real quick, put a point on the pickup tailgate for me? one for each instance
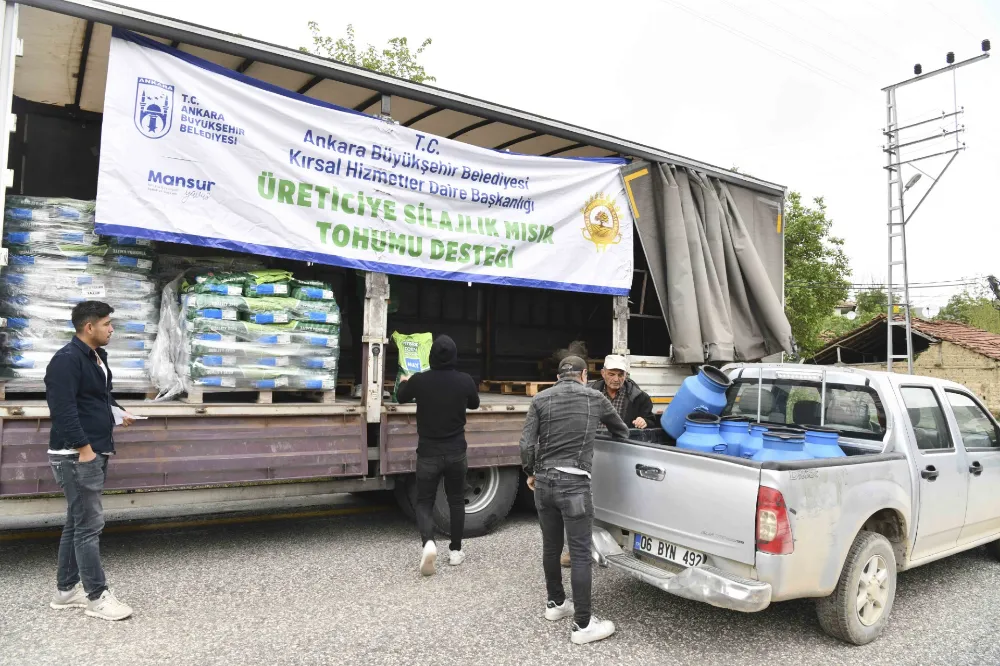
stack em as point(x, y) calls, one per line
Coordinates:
point(701, 502)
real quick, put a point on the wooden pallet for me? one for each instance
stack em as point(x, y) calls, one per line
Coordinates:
point(529, 389)
point(24, 391)
point(202, 395)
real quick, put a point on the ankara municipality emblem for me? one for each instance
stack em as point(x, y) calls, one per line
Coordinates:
point(154, 107)
point(601, 218)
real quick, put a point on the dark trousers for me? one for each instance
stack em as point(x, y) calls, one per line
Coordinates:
point(79, 547)
point(430, 469)
point(565, 505)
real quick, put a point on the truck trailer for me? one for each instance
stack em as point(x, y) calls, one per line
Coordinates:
point(205, 454)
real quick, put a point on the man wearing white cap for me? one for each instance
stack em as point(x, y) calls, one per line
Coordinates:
point(632, 403)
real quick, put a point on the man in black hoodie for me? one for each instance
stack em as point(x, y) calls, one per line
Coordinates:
point(443, 394)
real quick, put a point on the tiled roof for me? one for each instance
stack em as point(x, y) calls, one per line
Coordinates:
point(973, 339)
point(870, 338)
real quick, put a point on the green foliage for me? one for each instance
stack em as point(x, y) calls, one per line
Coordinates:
point(974, 308)
point(396, 59)
point(816, 271)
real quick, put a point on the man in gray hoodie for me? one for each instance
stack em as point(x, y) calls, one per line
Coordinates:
point(557, 449)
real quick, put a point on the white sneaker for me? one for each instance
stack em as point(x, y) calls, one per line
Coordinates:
point(556, 613)
point(456, 557)
point(107, 607)
point(597, 630)
point(429, 559)
point(74, 598)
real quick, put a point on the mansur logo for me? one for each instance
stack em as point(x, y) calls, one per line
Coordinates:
point(154, 108)
point(601, 221)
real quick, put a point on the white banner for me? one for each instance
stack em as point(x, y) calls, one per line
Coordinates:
point(195, 153)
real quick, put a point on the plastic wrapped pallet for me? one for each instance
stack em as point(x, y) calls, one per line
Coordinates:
point(56, 262)
point(231, 335)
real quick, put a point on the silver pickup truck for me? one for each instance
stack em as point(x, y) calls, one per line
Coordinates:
point(921, 481)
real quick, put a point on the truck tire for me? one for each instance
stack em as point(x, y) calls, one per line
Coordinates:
point(489, 495)
point(868, 580)
point(525, 500)
point(993, 548)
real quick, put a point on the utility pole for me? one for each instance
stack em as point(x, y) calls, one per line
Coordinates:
point(897, 186)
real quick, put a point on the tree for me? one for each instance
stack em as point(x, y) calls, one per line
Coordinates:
point(974, 308)
point(816, 271)
point(395, 60)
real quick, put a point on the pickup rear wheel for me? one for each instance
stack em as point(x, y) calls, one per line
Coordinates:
point(993, 548)
point(859, 607)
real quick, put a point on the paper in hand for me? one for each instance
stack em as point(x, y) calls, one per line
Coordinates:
point(120, 415)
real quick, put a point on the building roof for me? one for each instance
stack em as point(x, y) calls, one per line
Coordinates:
point(870, 340)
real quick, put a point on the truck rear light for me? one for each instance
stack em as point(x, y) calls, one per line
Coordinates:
point(774, 533)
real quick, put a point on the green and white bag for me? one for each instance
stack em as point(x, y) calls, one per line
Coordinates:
point(414, 356)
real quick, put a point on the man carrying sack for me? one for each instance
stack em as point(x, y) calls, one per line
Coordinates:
point(557, 448)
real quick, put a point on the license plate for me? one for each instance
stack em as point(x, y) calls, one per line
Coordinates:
point(667, 551)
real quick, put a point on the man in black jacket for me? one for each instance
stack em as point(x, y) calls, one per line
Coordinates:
point(443, 395)
point(632, 403)
point(557, 449)
point(78, 391)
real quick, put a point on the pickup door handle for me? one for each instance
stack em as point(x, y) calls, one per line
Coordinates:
point(975, 468)
point(930, 473)
point(648, 472)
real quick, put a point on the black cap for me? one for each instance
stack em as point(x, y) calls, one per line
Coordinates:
point(572, 365)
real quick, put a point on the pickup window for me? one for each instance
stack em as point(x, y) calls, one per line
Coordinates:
point(927, 418)
point(853, 410)
point(978, 431)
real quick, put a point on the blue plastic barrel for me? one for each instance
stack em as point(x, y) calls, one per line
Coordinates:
point(734, 429)
point(701, 433)
point(705, 391)
point(783, 446)
point(823, 442)
point(754, 442)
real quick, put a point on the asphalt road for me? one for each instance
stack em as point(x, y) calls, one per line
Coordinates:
point(344, 589)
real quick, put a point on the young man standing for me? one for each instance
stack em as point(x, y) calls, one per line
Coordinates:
point(443, 394)
point(557, 448)
point(78, 391)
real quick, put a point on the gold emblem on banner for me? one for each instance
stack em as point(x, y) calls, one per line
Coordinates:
point(601, 218)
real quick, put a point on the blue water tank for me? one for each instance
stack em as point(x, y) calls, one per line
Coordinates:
point(701, 433)
point(823, 442)
point(705, 391)
point(734, 429)
point(754, 442)
point(783, 446)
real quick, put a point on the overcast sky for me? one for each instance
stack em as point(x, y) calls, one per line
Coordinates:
point(787, 90)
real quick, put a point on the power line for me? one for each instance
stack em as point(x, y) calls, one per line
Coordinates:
point(761, 44)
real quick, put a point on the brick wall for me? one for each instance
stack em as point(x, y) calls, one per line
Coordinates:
point(980, 374)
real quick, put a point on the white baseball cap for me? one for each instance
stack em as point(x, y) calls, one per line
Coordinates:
point(615, 362)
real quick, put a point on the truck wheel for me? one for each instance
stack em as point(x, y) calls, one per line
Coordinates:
point(859, 607)
point(525, 496)
point(489, 495)
point(993, 548)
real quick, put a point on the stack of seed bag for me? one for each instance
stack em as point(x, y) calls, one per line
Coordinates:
point(57, 261)
point(260, 329)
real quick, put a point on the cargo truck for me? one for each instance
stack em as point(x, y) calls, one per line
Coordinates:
point(219, 455)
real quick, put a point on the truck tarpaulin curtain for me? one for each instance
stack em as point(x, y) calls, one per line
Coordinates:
point(703, 241)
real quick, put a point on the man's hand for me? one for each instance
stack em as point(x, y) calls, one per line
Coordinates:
point(86, 453)
point(531, 483)
point(127, 419)
point(640, 423)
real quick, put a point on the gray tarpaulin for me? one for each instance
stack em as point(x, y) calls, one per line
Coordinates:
point(715, 257)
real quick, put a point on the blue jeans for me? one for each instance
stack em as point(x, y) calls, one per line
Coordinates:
point(565, 504)
point(79, 547)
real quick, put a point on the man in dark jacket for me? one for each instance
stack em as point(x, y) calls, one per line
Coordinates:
point(557, 448)
point(78, 391)
point(443, 394)
point(632, 403)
